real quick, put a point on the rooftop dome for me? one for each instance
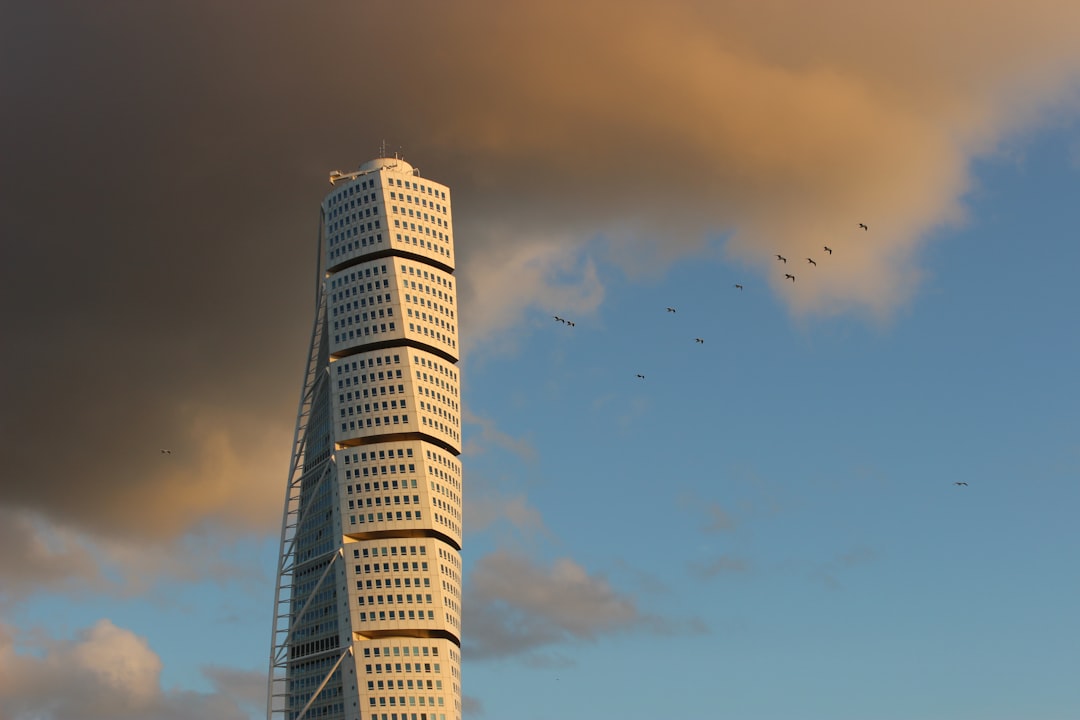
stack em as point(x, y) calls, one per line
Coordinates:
point(395, 163)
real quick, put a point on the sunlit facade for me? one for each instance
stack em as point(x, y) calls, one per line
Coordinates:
point(367, 622)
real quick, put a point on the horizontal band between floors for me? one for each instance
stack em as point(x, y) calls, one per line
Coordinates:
point(396, 437)
point(423, 633)
point(396, 342)
point(405, 533)
point(389, 252)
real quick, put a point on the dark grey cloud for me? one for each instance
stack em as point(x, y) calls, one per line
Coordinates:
point(163, 163)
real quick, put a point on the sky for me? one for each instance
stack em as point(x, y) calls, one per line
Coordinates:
point(765, 526)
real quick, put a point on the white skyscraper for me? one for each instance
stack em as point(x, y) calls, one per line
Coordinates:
point(367, 615)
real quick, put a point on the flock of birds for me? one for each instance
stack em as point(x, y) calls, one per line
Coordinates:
point(738, 286)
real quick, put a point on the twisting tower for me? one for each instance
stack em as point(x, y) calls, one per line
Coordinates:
point(367, 614)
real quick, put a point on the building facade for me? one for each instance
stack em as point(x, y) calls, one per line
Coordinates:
point(367, 614)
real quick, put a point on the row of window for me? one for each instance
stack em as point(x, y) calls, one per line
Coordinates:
point(389, 551)
point(347, 191)
point(360, 214)
point(443, 460)
point(423, 202)
point(406, 684)
point(424, 330)
point(379, 584)
point(426, 302)
point(412, 700)
point(396, 615)
point(417, 214)
point(346, 233)
point(367, 331)
point(440, 488)
point(361, 303)
point(357, 410)
point(359, 504)
point(407, 716)
point(401, 452)
point(341, 224)
point(438, 322)
point(380, 421)
point(390, 516)
point(352, 380)
point(341, 281)
point(432, 276)
point(420, 242)
point(412, 227)
point(387, 485)
point(366, 241)
point(443, 520)
point(315, 646)
point(404, 599)
point(439, 426)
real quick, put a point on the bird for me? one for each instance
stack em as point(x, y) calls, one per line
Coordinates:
point(828, 249)
point(790, 277)
point(571, 324)
point(166, 452)
point(960, 483)
point(559, 319)
point(699, 340)
point(811, 261)
point(781, 257)
point(738, 286)
point(640, 376)
point(671, 309)
point(863, 226)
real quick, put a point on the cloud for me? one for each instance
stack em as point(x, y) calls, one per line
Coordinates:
point(43, 556)
point(719, 565)
point(162, 181)
point(487, 510)
point(514, 607)
point(717, 519)
point(490, 435)
point(37, 557)
point(246, 687)
point(827, 573)
point(108, 673)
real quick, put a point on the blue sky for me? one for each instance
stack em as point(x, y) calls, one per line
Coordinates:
point(766, 526)
point(860, 581)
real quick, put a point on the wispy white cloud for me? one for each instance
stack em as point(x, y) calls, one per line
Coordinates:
point(491, 436)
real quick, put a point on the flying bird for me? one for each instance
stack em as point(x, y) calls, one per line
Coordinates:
point(960, 483)
point(863, 226)
point(640, 376)
point(699, 340)
point(166, 452)
point(671, 309)
point(559, 319)
point(790, 277)
point(828, 249)
point(571, 324)
point(738, 286)
point(781, 257)
point(811, 261)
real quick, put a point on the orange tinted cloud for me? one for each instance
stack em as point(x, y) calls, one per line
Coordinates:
point(170, 161)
